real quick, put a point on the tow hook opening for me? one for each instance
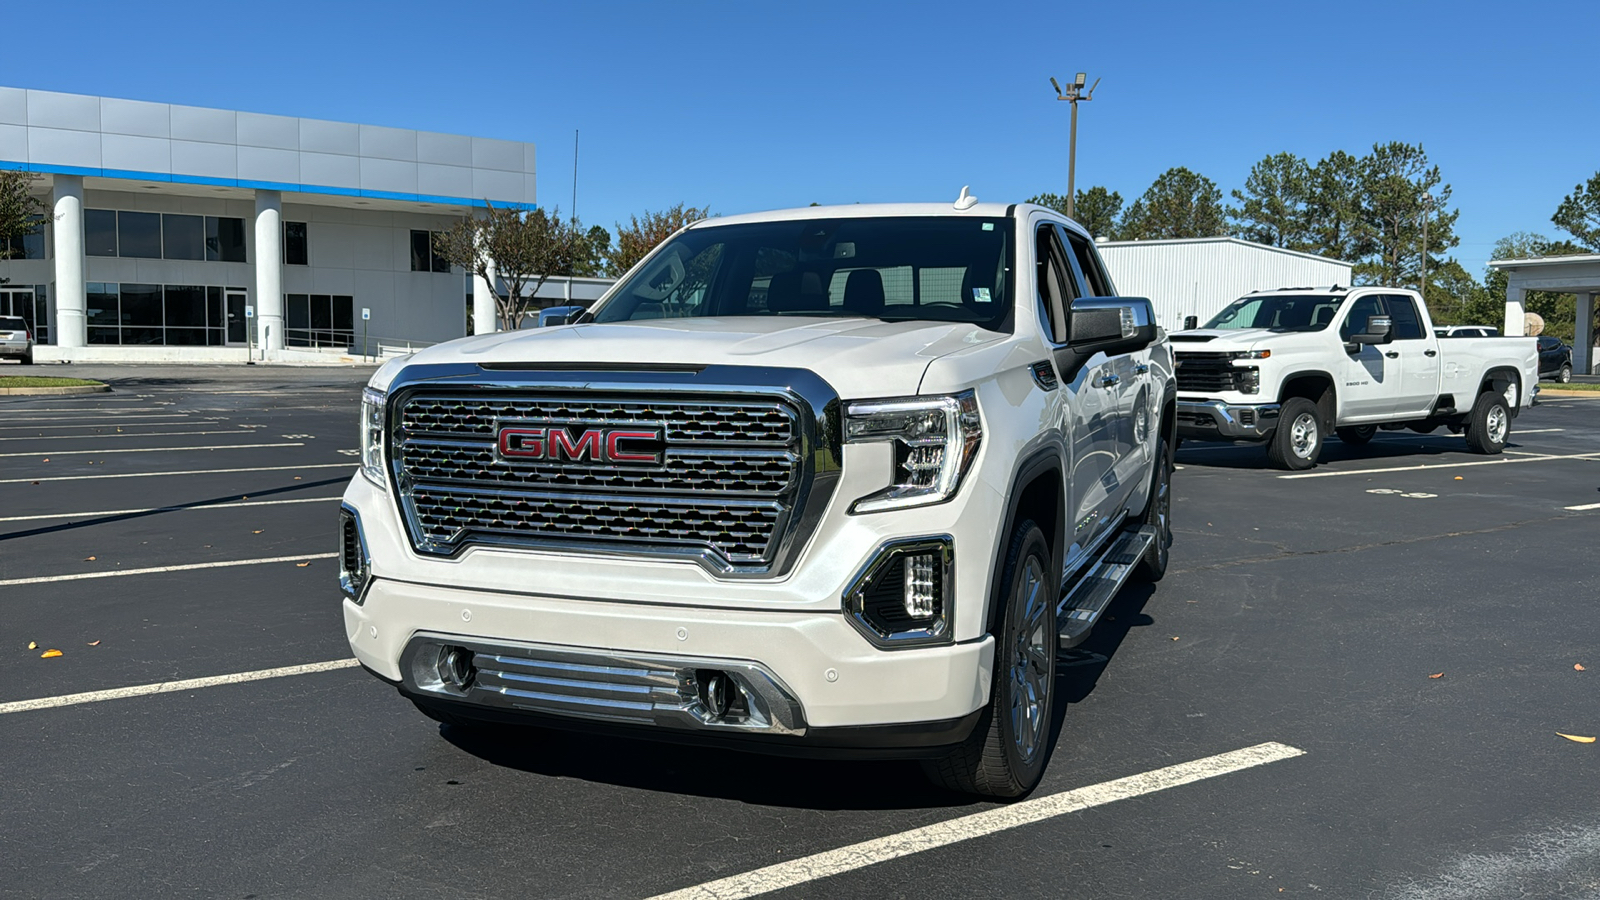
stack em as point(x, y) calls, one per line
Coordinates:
point(456, 669)
point(722, 696)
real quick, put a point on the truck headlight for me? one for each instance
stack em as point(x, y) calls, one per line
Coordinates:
point(1249, 380)
point(935, 440)
point(1252, 354)
point(373, 417)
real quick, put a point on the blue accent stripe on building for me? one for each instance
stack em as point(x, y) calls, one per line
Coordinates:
point(285, 187)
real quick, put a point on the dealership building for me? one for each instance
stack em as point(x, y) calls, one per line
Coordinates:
point(184, 233)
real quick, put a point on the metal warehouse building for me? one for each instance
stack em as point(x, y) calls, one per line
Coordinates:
point(1200, 276)
point(168, 225)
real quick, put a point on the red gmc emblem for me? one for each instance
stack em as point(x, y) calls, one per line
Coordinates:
point(557, 443)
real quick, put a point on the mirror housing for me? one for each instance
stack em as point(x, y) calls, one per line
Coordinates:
point(1190, 323)
point(560, 315)
point(1380, 330)
point(1109, 325)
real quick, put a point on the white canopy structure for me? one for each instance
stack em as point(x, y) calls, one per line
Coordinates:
point(1578, 274)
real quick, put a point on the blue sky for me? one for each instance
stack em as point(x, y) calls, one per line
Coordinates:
point(746, 106)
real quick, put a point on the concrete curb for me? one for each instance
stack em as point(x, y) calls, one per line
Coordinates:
point(54, 391)
point(1588, 395)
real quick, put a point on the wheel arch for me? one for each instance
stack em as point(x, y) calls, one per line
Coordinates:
point(1038, 491)
point(1314, 385)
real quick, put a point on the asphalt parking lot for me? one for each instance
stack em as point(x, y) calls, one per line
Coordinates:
point(182, 528)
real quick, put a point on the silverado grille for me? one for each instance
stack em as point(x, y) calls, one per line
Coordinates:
point(721, 481)
point(1206, 372)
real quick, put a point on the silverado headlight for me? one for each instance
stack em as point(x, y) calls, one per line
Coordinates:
point(372, 426)
point(1251, 354)
point(935, 440)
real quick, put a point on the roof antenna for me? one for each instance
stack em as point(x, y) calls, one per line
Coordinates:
point(966, 200)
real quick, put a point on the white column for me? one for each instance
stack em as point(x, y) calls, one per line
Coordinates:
point(1583, 337)
point(71, 301)
point(269, 270)
point(1514, 313)
point(485, 314)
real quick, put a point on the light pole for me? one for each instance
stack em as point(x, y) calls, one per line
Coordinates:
point(1427, 213)
point(1073, 94)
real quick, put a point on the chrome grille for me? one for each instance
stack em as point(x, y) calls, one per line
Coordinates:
point(1210, 372)
point(730, 474)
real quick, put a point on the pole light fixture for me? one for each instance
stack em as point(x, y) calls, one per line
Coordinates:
point(1073, 94)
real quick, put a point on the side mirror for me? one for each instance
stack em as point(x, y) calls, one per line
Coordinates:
point(1190, 323)
point(1109, 325)
point(560, 315)
point(1380, 330)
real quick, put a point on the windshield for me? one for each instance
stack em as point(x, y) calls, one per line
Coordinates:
point(931, 268)
point(1279, 312)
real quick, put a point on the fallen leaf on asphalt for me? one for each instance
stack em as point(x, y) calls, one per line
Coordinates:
point(301, 565)
point(33, 645)
point(1437, 675)
point(1578, 666)
point(1174, 637)
point(297, 477)
point(255, 532)
point(47, 459)
point(51, 654)
point(88, 559)
point(94, 643)
point(1571, 737)
point(1459, 478)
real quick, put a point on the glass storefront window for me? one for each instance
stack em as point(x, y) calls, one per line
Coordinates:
point(138, 235)
point(295, 249)
point(224, 239)
point(183, 237)
point(100, 232)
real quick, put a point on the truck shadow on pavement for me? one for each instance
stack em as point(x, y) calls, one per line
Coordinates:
point(779, 781)
point(1400, 446)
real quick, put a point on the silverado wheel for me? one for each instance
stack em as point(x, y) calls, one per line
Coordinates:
point(1297, 442)
point(1489, 424)
point(1565, 375)
point(1158, 512)
point(1356, 435)
point(1005, 754)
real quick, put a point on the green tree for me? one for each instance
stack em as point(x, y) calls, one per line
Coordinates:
point(1335, 224)
point(594, 244)
point(1399, 189)
point(1272, 205)
point(643, 233)
point(1096, 209)
point(519, 247)
point(1579, 214)
point(1180, 204)
point(21, 213)
point(1456, 298)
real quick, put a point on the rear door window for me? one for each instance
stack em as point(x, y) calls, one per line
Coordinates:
point(1407, 323)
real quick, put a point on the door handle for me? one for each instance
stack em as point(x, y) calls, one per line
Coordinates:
point(1392, 354)
point(1430, 353)
point(1110, 380)
point(1141, 368)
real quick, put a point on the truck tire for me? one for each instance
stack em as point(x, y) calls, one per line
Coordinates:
point(1297, 441)
point(1158, 513)
point(28, 359)
point(1565, 375)
point(1356, 435)
point(1004, 756)
point(1489, 424)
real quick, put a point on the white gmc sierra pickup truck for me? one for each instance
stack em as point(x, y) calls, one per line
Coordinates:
point(822, 481)
point(1286, 367)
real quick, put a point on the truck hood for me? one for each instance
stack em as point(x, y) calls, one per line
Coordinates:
point(1221, 338)
point(859, 357)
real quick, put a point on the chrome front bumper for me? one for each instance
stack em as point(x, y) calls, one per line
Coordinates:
point(1216, 420)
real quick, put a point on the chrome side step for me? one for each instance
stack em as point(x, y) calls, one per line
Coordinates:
point(1082, 606)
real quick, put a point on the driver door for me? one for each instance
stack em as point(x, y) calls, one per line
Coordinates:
point(1089, 415)
point(1369, 377)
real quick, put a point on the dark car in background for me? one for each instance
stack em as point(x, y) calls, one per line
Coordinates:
point(16, 341)
point(1555, 359)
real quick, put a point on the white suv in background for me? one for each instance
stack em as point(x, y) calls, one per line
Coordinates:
point(16, 341)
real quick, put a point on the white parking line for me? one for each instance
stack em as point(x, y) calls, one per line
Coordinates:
point(79, 419)
point(187, 567)
point(1485, 462)
point(84, 409)
point(343, 465)
point(160, 509)
point(929, 837)
point(123, 434)
point(78, 423)
point(167, 687)
point(1585, 506)
point(152, 449)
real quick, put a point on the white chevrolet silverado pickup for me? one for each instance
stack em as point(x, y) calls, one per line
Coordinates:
point(823, 481)
point(1286, 367)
